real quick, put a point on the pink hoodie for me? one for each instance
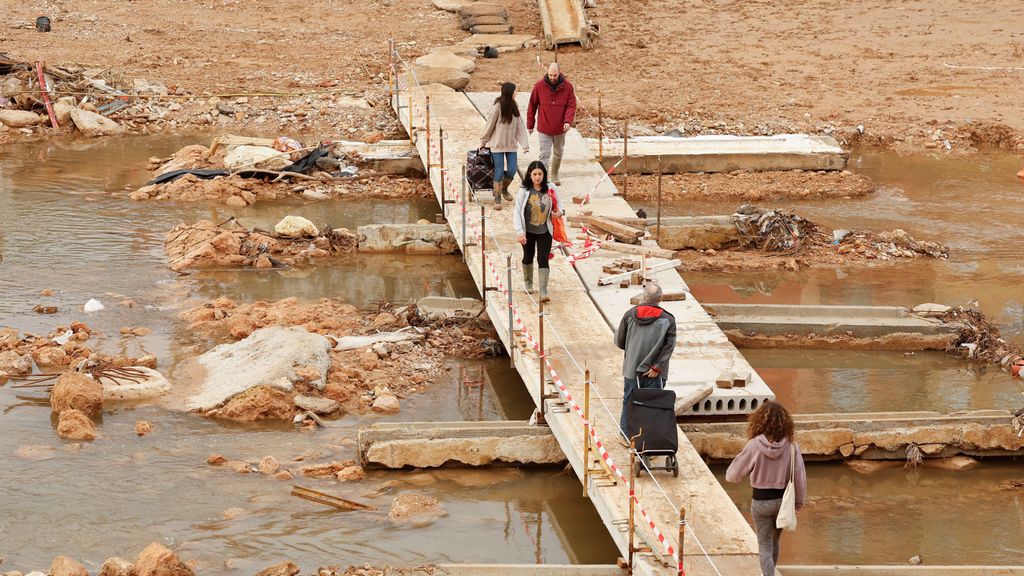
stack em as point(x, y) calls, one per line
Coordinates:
point(767, 464)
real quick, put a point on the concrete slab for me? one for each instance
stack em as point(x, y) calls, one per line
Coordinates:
point(406, 239)
point(501, 42)
point(442, 306)
point(725, 153)
point(576, 326)
point(564, 22)
point(387, 156)
point(875, 436)
point(855, 321)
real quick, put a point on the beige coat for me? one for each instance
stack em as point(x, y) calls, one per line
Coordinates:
point(501, 137)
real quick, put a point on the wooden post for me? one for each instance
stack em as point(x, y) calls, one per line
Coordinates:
point(429, 156)
point(632, 491)
point(658, 238)
point(586, 432)
point(541, 357)
point(625, 161)
point(600, 132)
point(511, 320)
point(682, 533)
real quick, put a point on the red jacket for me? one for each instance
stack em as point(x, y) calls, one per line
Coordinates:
point(554, 106)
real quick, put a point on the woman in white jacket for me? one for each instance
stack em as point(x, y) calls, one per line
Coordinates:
point(504, 133)
point(535, 206)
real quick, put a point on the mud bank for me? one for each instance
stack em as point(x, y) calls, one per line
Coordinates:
point(746, 186)
point(899, 341)
point(364, 375)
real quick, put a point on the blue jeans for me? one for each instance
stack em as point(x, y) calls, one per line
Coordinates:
point(631, 384)
point(504, 164)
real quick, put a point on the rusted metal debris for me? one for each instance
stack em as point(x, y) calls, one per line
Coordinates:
point(328, 499)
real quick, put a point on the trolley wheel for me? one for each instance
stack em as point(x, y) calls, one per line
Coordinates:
point(640, 469)
point(675, 466)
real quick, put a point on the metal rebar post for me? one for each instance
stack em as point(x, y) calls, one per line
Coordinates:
point(658, 239)
point(586, 432)
point(600, 132)
point(483, 255)
point(625, 161)
point(541, 360)
point(444, 174)
point(464, 245)
point(429, 149)
point(682, 533)
point(632, 492)
point(412, 129)
point(391, 70)
point(511, 320)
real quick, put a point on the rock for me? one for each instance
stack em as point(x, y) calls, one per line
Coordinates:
point(417, 508)
point(157, 560)
point(317, 405)
point(215, 460)
point(915, 560)
point(255, 156)
point(451, 77)
point(266, 358)
point(77, 391)
point(296, 227)
point(232, 513)
point(12, 87)
point(287, 568)
point(92, 124)
point(386, 403)
point(269, 465)
point(65, 566)
point(20, 118)
point(9, 336)
point(260, 403)
point(482, 9)
point(351, 473)
point(329, 469)
point(74, 425)
point(143, 427)
point(284, 475)
point(954, 464)
point(62, 110)
point(144, 87)
point(15, 364)
point(235, 202)
point(148, 361)
point(491, 29)
point(50, 356)
point(370, 360)
point(452, 5)
point(151, 385)
point(872, 466)
point(404, 347)
point(117, 567)
point(380, 349)
point(263, 262)
point(446, 60)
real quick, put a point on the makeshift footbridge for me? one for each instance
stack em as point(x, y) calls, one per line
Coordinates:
point(556, 352)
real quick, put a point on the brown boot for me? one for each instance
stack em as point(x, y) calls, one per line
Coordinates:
point(507, 182)
point(499, 187)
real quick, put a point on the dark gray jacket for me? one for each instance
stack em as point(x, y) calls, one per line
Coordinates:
point(648, 335)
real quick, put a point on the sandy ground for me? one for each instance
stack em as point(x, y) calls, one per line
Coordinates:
point(706, 67)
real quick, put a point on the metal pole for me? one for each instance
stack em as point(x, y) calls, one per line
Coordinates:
point(659, 201)
point(511, 320)
point(682, 533)
point(483, 254)
point(542, 359)
point(632, 488)
point(586, 432)
point(464, 245)
point(444, 173)
point(625, 161)
point(391, 70)
point(412, 129)
point(600, 131)
point(429, 158)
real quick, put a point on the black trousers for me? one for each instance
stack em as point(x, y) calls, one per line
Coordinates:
point(539, 243)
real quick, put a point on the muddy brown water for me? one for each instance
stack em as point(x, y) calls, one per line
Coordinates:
point(61, 230)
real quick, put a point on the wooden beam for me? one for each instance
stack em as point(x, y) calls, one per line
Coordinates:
point(620, 232)
point(651, 251)
point(650, 270)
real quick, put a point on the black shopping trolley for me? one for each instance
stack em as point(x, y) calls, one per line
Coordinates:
point(651, 413)
point(480, 169)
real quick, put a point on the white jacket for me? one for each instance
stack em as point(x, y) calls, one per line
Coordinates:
point(517, 213)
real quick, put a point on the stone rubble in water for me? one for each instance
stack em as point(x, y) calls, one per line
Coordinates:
point(77, 391)
point(316, 404)
point(74, 425)
point(157, 560)
point(267, 357)
point(296, 227)
point(117, 566)
point(65, 566)
point(417, 509)
point(92, 124)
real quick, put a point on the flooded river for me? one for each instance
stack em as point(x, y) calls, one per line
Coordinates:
point(61, 230)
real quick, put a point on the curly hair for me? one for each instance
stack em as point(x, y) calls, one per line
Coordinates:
point(771, 419)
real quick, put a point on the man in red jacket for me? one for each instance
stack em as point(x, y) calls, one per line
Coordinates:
point(552, 109)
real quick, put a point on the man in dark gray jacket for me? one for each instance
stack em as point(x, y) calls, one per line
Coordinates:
point(648, 335)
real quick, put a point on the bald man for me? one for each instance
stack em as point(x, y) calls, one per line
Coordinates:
point(552, 110)
point(647, 333)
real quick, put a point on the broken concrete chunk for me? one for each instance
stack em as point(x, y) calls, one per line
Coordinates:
point(151, 384)
point(356, 342)
point(296, 227)
point(255, 157)
point(416, 508)
point(20, 118)
point(317, 405)
point(451, 77)
point(92, 124)
point(446, 60)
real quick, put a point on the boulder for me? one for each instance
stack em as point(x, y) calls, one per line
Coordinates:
point(152, 385)
point(142, 427)
point(9, 336)
point(350, 473)
point(74, 425)
point(255, 157)
point(93, 124)
point(77, 391)
point(269, 465)
point(260, 403)
point(266, 358)
point(954, 464)
point(50, 356)
point(286, 568)
point(117, 567)
point(446, 60)
point(452, 5)
point(20, 118)
point(157, 560)
point(317, 405)
point(296, 227)
point(62, 110)
point(65, 566)
point(415, 508)
point(15, 364)
point(11, 87)
point(872, 466)
point(451, 77)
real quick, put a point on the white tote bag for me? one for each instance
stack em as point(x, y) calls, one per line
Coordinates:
point(786, 520)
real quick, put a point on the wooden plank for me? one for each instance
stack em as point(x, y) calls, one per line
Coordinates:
point(652, 251)
point(657, 268)
point(620, 232)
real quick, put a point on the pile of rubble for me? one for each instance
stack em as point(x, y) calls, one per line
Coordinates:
point(334, 358)
point(229, 244)
point(64, 346)
point(979, 340)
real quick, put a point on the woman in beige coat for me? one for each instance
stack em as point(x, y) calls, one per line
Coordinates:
point(504, 134)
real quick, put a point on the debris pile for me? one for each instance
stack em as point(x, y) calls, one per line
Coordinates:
point(979, 340)
point(775, 230)
point(376, 358)
point(229, 244)
point(63, 346)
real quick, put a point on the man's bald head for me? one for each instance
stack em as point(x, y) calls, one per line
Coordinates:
point(553, 72)
point(652, 293)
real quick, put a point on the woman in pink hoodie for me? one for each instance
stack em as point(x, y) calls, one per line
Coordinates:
point(765, 459)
